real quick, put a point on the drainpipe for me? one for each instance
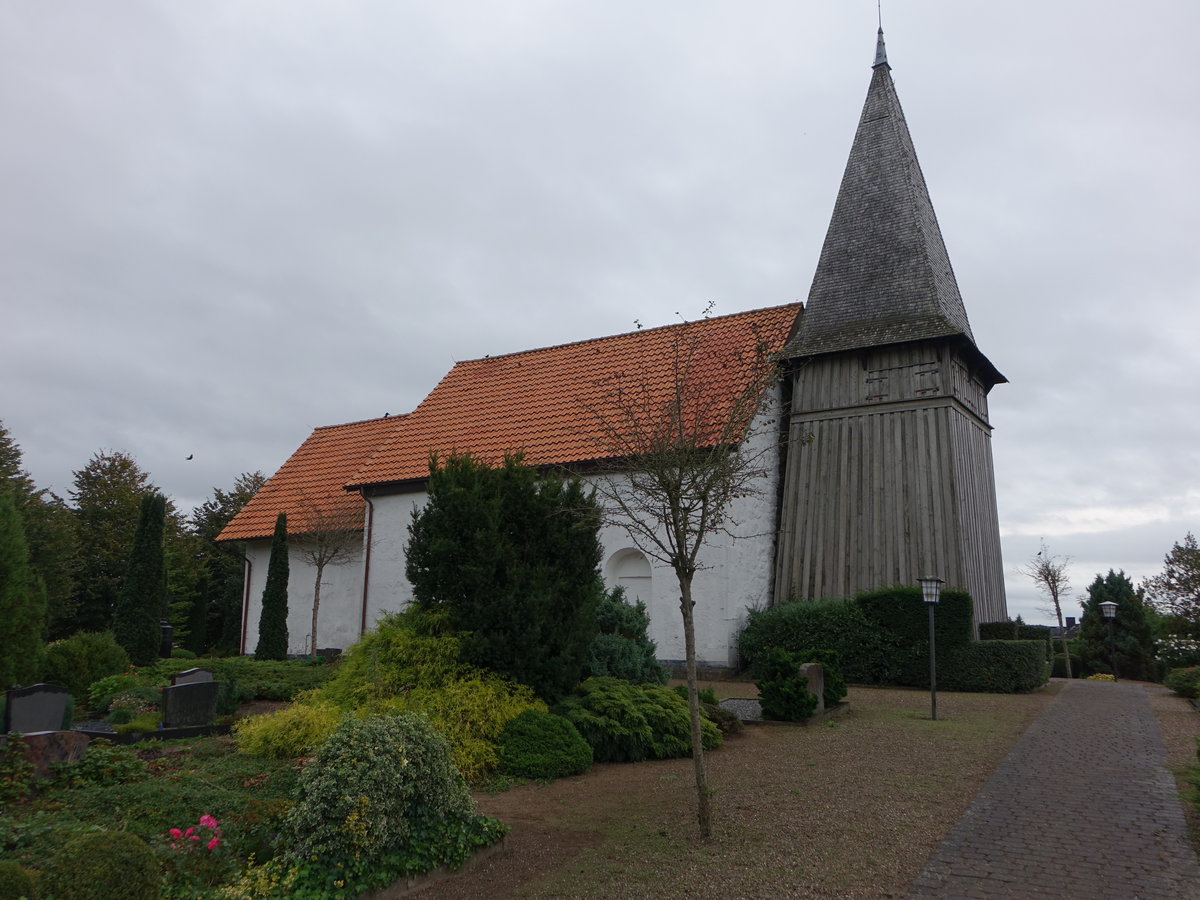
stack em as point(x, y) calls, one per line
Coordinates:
point(246, 574)
point(367, 535)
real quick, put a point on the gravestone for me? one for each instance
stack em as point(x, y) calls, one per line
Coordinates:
point(39, 707)
point(184, 705)
point(192, 676)
point(816, 683)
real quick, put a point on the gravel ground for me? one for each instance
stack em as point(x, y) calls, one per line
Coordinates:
point(845, 808)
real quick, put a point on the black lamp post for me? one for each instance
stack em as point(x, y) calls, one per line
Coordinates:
point(1109, 609)
point(931, 590)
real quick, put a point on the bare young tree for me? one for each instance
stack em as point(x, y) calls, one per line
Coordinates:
point(1049, 573)
point(678, 446)
point(328, 537)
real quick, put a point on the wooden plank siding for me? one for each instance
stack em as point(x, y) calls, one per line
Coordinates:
point(896, 481)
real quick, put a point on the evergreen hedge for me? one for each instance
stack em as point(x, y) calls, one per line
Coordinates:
point(994, 667)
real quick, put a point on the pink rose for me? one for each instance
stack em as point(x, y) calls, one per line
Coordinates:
point(212, 844)
point(208, 821)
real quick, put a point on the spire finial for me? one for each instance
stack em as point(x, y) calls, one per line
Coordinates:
point(880, 52)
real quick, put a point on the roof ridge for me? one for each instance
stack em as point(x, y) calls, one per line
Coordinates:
point(621, 334)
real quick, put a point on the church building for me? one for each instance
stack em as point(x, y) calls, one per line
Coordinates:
point(874, 448)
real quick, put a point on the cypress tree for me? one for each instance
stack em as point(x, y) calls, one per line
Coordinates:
point(137, 621)
point(22, 602)
point(272, 622)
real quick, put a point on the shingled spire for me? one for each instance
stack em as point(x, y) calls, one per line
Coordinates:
point(884, 276)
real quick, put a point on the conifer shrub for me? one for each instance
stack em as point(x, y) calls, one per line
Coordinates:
point(84, 657)
point(831, 665)
point(106, 865)
point(782, 688)
point(625, 722)
point(623, 648)
point(15, 882)
point(295, 731)
point(22, 601)
point(137, 619)
point(541, 746)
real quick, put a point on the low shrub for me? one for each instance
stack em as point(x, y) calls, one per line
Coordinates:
point(1185, 682)
point(255, 678)
point(625, 722)
point(1178, 652)
point(380, 798)
point(84, 657)
point(182, 653)
point(782, 688)
point(15, 882)
point(995, 667)
point(100, 692)
point(623, 648)
point(542, 746)
point(1102, 676)
point(102, 866)
point(289, 733)
point(831, 666)
point(104, 763)
point(147, 721)
point(470, 712)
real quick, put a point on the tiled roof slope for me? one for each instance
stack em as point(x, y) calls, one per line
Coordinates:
point(313, 477)
point(884, 276)
point(546, 403)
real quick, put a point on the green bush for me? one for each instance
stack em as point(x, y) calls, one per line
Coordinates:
point(379, 785)
point(625, 722)
point(15, 882)
point(996, 667)
point(289, 733)
point(84, 657)
point(108, 865)
point(182, 653)
point(254, 678)
point(830, 661)
point(100, 692)
point(542, 746)
point(782, 688)
point(867, 653)
point(623, 648)
point(1184, 682)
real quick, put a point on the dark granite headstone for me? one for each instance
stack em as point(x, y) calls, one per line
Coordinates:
point(39, 707)
point(189, 704)
point(192, 676)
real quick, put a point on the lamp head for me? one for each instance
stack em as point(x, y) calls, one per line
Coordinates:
point(931, 589)
point(1109, 609)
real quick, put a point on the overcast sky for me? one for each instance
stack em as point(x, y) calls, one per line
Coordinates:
point(225, 223)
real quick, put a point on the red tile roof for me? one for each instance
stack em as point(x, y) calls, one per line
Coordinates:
point(546, 403)
point(313, 477)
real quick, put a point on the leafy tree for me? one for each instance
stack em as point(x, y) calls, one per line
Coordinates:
point(49, 531)
point(330, 538)
point(1131, 645)
point(22, 601)
point(512, 558)
point(137, 622)
point(1176, 590)
point(1049, 573)
point(272, 621)
point(678, 458)
point(107, 493)
point(222, 566)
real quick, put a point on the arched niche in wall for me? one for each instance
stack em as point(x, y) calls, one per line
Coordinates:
point(630, 569)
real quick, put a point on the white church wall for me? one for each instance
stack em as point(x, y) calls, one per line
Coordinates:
point(341, 593)
point(735, 575)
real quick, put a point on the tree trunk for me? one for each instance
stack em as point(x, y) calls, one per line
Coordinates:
point(1063, 636)
point(703, 801)
point(316, 608)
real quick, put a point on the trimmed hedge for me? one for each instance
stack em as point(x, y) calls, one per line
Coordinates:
point(995, 667)
point(900, 611)
point(867, 653)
